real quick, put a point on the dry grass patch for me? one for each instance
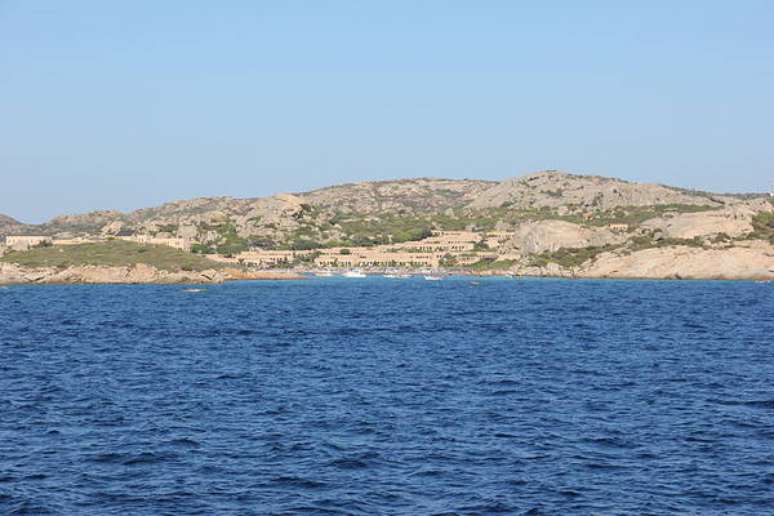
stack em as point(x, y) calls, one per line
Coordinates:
point(114, 253)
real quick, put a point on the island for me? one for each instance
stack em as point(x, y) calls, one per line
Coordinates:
point(549, 223)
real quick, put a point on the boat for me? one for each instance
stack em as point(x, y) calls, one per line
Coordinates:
point(354, 274)
point(324, 274)
point(391, 276)
point(433, 278)
point(194, 290)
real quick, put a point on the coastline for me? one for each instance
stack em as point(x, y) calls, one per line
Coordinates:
point(147, 275)
point(140, 274)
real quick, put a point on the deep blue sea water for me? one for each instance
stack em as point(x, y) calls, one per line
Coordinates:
point(388, 397)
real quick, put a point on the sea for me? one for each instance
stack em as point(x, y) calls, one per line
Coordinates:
point(388, 396)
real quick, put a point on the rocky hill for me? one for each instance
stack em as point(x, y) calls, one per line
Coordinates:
point(553, 219)
point(402, 197)
point(9, 225)
point(553, 189)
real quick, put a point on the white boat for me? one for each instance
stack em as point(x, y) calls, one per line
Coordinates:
point(354, 274)
point(396, 275)
point(433, 278)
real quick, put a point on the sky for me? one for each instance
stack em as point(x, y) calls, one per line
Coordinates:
point(122, 105)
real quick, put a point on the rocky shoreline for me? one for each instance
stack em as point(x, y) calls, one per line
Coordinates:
point(752, 261)
point(138, 274)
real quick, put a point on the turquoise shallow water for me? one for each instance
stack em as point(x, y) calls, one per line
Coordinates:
point(385, 396)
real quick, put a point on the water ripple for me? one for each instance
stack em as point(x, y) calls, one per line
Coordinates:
point(384, 397)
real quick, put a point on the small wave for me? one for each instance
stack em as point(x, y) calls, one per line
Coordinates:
point(488, 508)
point(505, 381)
point(603, 465)
point(504, 392)
point(108, 458)
point(312, 509)
point(149, 458)
point(229, 376)
point(608, 442)
point(184, 442)
point(348, 464)
point(505, 435)
point(517, 482)
point(30, 508)
point(763, 404)
point(429, 473)
point(293, 481)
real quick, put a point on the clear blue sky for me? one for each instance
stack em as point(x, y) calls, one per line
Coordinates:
point(128, 104)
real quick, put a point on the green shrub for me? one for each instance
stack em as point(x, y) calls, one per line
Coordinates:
point(302, 244)
point(202, 249)
point(491, 264)
point(763, 226)
point(569, 258)
point(116, 253)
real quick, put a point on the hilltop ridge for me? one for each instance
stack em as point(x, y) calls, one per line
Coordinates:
point(403, 198)
point(9, 225)
point(6, 220)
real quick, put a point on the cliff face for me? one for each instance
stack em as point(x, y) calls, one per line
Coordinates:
point(552, 235)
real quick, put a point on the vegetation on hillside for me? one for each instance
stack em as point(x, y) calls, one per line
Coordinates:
point(763, 226)
point(113, 253)
point(575, 257)
point(489, 264)
point(383, 230)
point(569, 258)
point(228, 242)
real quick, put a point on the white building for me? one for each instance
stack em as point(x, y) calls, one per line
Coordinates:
point(24, 243)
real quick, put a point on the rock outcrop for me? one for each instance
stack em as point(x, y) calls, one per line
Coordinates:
point(138, 274)
point(755, 260)
point(554, 189)
point(746, 260)
point(13, 274)
point(9, 225)
point(733, 221)
point(550, 235)
point(408, 196)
